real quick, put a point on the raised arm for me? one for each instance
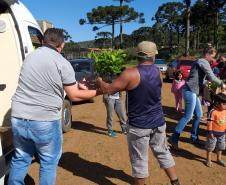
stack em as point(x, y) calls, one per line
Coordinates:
point(125, 81)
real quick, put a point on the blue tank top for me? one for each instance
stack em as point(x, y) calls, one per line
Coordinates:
point(144, 106)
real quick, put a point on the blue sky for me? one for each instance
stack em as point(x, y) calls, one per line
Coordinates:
point(66, 14)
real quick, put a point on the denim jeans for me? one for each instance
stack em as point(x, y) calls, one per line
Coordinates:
point(41, 137)
point(192, 106)
point(111, 105)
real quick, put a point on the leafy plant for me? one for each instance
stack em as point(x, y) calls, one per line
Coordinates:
point(107, 63)
point(212, 86)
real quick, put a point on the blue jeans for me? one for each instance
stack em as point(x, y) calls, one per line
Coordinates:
point(41, 137)
point(192, 106)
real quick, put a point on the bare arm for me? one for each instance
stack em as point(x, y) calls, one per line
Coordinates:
point(76, 94)
point(126, 81)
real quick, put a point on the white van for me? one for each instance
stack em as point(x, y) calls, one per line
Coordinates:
point(19, 35)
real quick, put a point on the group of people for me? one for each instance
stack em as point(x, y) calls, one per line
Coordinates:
point(36, 109)
point(202, 72)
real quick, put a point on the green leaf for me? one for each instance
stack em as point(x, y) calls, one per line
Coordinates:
point(107, 62)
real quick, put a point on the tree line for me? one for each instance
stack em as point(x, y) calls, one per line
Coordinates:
point(178, 26)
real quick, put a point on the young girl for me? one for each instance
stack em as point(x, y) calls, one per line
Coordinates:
point(177, 85)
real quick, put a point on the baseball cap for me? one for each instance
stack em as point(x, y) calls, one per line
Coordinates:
point(146, 48)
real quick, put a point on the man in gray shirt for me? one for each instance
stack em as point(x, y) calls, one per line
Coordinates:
point(36, 108)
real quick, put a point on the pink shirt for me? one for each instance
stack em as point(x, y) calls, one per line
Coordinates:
point(177, 86)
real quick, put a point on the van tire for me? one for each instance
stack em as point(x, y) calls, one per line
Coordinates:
point(66, 116)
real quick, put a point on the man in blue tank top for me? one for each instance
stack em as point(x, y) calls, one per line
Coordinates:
point(146, 125)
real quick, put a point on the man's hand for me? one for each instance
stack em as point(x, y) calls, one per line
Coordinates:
point(82, 86)
point(85, 84)
point(99, 82)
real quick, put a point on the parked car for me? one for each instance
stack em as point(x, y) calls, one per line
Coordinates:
point(183, 64)
point(161, 64)
point(84, 68)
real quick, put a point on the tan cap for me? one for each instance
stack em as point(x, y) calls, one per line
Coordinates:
point(146, 48)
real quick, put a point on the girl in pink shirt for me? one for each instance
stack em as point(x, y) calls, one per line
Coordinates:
point(176, 89)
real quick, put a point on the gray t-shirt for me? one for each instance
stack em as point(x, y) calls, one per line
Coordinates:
point(39, 94)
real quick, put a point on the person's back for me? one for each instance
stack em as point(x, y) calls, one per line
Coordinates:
point(40, 86)
point(36, 108)
point(144, 101)
point(146, 125)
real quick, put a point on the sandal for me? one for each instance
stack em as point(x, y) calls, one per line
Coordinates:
point(221, 162)
point(209, 164)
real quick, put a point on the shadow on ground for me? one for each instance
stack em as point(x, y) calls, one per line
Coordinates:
point(88, 127)
point(28, 180)
point(92, 171)
point(188, 155)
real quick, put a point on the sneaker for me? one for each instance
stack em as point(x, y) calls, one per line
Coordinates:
point(175, 182)
point(111, 133)
point(123, 129)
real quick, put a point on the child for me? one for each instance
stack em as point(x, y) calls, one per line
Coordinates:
point(216, 126)
point(177, 85)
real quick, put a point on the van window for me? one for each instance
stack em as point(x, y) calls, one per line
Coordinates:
point(36, 37)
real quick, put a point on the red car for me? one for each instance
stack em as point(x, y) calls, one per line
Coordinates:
point(183, 64)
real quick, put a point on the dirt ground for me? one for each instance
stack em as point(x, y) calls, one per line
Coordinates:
point(91, 157)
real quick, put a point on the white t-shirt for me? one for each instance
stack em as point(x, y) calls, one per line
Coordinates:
point(114, 96)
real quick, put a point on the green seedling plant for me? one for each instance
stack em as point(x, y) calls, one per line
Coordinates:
point(108, 64)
